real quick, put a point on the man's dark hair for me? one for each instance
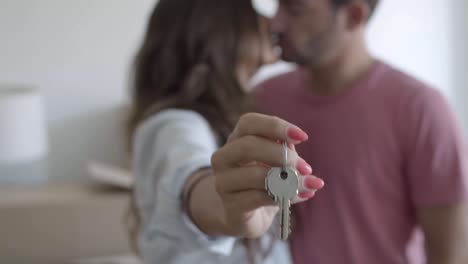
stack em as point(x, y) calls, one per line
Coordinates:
point(372, 3)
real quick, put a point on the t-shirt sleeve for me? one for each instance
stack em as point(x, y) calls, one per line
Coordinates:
point(436, 162)
point(168, 148)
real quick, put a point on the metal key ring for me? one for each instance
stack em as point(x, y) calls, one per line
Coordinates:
point(284, 163)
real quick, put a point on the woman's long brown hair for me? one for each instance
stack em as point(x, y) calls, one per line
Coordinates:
point(190, 59)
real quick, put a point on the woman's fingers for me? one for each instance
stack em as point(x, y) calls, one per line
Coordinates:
point(253, 177)
point(253, 148)
point(269, 127)
point(243, 179)
point(250, 200)
point(308, 185)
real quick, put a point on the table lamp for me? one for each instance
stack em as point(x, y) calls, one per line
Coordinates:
point(23, 136)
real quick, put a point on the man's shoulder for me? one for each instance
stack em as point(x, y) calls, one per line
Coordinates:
point(402, 90)
point(403, 83)
point(412, 96)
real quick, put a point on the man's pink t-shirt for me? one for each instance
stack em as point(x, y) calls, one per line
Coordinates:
point(386, 147)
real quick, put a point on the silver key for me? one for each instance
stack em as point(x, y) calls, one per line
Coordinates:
point(282, 184)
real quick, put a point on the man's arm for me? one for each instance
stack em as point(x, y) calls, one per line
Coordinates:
point(437, 171)
point(446, 233)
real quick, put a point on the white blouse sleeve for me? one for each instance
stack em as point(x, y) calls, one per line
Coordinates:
point(168, 148)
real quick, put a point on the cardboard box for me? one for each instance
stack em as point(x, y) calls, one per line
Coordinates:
point(57, 223)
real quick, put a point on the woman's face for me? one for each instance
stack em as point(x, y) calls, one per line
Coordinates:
point(264, 54)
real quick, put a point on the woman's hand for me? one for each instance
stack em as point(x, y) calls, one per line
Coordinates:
point(241, 166)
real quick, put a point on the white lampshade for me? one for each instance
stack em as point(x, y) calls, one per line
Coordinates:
point(23, 136)
point(267, 8)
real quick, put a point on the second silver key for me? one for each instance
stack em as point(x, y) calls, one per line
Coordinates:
point(282, 184)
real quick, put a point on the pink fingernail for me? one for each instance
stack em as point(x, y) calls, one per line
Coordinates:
point(297, 134)
point(313, 183)
point(303, 167)
point(306, 195)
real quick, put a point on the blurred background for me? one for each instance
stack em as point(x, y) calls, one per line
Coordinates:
point(77, 55)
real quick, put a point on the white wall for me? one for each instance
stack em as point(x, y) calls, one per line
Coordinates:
point(416, 37)
point(460, 55)
point(78, 53)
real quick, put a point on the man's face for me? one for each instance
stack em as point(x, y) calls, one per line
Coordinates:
point(310, 31)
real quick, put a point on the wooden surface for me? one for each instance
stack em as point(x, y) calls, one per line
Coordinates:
point(56, 223)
